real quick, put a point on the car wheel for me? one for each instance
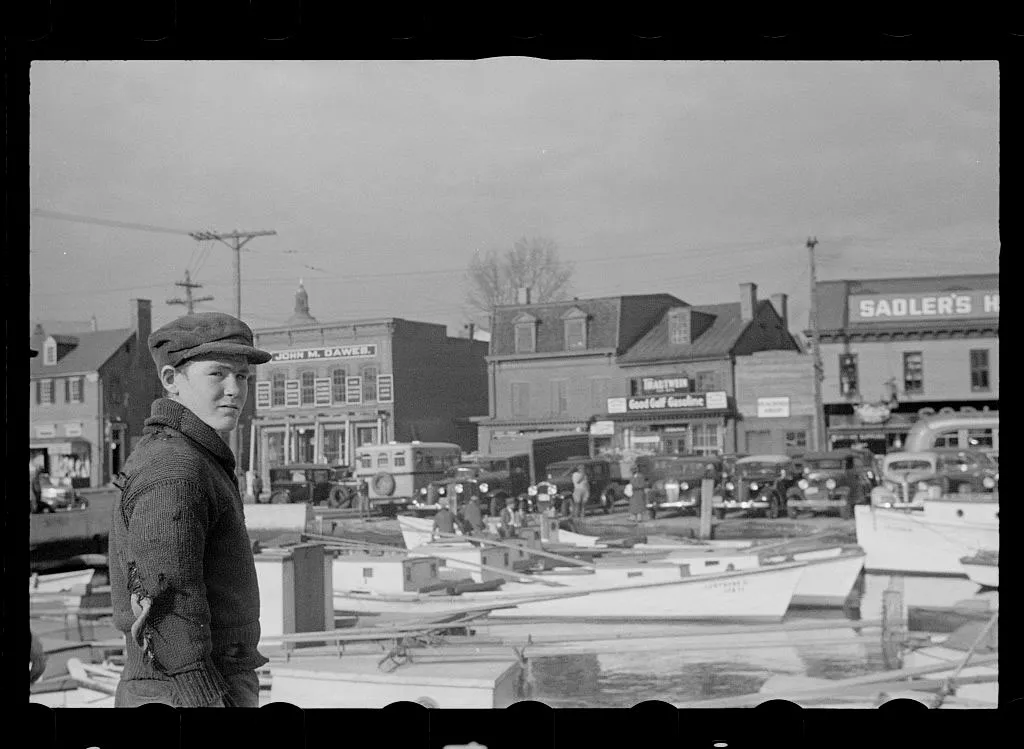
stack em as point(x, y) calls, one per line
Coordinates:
point(792, 513)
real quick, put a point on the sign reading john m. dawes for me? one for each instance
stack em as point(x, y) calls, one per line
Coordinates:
point(689, 402)
point(947, 305)
point(360, 351)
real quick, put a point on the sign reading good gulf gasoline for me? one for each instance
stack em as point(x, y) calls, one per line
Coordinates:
point(690, 401)
point(360, 351)
point(949, 305)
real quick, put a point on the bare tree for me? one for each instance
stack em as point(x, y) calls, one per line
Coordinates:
point(494, 277)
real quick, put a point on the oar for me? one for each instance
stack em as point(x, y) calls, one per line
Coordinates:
point(947, 685)
point(521, 547)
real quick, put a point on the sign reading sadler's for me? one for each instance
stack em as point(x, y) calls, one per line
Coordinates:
point(689, 402)
point(950, 305)
point(361, 351)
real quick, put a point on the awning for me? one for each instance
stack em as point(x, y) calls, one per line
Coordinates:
point(670, 417)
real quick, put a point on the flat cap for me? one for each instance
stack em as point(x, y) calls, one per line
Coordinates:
point(203, 334)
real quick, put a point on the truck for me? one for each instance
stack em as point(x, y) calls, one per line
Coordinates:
point(543, 449)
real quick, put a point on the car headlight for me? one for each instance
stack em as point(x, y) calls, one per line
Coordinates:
point(684, 486)
point(803, 483)
point(532, 491)
point(483, 487)
point(830, 484)
point(442, 490)
point(886, 504)
point(458, 488)
point(922, 486)
point(988, 482)
point(729, 486)
point(753, 486)
point(423, 490)
point(552, 490)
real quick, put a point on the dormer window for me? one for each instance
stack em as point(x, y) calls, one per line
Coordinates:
point(526, 333)
point(575, 321)
point(679, 326)
point(50, 352)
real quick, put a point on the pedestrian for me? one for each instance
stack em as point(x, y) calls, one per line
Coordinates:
point(36, 490)
point(444, 521)
point(580, 491)
point(182, 577)
point(257, 486)
point(511, 520)
point(638, 497)
point(364, 499)
point(473, 515)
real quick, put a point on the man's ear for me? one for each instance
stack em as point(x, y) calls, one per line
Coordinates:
point(168, 376)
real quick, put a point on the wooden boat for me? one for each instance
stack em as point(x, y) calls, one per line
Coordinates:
point(948, 619)
point(982, 568)
point(932, 541)
point(975, 638)
point(60, 582)
point(417, 532)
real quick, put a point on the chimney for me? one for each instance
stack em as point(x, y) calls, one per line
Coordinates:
point(523, 296)
point(142, 321)
point(781, 304)
point(748, 300)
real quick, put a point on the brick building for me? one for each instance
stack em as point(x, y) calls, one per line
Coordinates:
point(645, 373)
point(898, 348)
point(89, 394)
point(332, 387)
point(775, 402)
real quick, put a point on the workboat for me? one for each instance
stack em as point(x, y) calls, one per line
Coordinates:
point(60, 582)
point(932, 541)
point(404, 583)
point(982, 568)
point(417, 532)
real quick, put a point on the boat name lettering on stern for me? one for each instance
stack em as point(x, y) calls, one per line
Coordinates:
point(731, 586)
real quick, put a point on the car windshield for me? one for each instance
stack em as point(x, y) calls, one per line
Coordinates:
point(910, 465)
point(748, 469)
point(560, 471)
point(494, 466)
point(958, 462)
point(462, 472)
point(824, 465)
point(688, 468)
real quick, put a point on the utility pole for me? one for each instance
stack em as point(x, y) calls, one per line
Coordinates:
point(189, 301)
point(236, 240)
point(819, 374)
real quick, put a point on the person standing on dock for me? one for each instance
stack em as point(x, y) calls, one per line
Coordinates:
point(182, 576)
point(580, 492)
point(511, 519)
point(444, 521)
point(363, 495)
point(473, 515)
point(638, 499)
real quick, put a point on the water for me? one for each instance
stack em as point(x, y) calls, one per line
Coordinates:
point(727, 668)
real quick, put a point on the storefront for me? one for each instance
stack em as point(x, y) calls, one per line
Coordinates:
point(61, 456)
point(669, 424)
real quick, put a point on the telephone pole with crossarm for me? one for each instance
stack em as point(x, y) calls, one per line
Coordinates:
point(189, 301)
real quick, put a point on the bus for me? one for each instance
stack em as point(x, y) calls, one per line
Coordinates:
point(396, 472)
point(970, 431)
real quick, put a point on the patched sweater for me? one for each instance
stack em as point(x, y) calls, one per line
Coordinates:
point(178, 536)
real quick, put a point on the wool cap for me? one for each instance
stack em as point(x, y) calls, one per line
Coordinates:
point(203, 333)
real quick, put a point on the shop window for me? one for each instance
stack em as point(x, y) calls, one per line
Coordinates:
point(913, 372)
point(679, 326)
point(369, 384)
point(848, 375)
point(706, 439)
point(707, 381)
point(308, 388)
point(520, 399)
point(559, 396)
point(979, 369)
point(796, 440)
point(44, 392)
point(334, 444)
point(526, 338)
point(277, 389)
point(338, 385)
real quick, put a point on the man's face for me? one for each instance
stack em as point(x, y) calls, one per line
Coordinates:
point(213, 388)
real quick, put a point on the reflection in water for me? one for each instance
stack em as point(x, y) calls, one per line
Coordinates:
point(720, 667)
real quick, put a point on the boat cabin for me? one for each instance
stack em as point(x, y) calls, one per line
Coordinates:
point(385, 573)
point(469, 560)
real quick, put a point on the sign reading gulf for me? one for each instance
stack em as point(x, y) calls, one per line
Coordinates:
point(951, 305)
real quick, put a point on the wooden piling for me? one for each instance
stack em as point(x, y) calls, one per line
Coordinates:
point(894, 623)
point(707, 488)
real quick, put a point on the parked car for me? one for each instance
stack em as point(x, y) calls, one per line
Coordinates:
point(491, 479)
point(833, 481)
point(675, 480)
point(606, 483)
point(58, 494)
point(758, 483)
point(907, 480)
point(963, 471)
point(315, 483)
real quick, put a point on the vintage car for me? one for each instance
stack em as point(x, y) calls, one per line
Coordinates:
point(833, 481)
point(57, 494)
point(965, 471)
point(491, 479)
point(758, 483)
point(675, 480)
point(606, 483)
point(315, 483)
point(907, 480)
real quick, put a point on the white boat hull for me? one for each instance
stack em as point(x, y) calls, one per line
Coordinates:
point(60, 582)
point(982, 574)
point(654, 592)
point(925, 543)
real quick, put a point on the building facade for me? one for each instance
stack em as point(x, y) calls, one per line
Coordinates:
point(775, 402)
point(89, 394)
point(896, 349)
point(332, 387)
point(641, 374)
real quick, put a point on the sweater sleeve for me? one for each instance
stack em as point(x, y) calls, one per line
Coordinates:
point(167, 533)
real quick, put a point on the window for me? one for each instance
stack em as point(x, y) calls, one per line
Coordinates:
point(367, 571)
point(76, 395)
point(399, 460)
point(797, 439)
point(599, 387)
point(980, 438)
point(308, 392)
point(520, 399)
point(913, 372)
point(575, 334)
point(526, 338)
point(408, 574)
point(382, 459)
point(50, 352)
point(338, 385)
point(979, 369)
point(848, 375)
point(559, 396)
point(705, 439)
point(369, 384)
point(277, 389)
point(44, 391)
point(679, 326)
point(707, 381)
point(365, 460)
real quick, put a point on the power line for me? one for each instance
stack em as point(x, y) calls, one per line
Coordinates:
point(57, 215)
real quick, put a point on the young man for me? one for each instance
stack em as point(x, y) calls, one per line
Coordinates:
point(444, 521)
point(182, 577)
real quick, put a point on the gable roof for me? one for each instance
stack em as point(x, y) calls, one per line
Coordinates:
point(716, 340)
point(92, 351)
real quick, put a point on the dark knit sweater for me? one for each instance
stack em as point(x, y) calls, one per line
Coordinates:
point(178, 535)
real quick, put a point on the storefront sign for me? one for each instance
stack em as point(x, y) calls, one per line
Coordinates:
point(603, 428)
point(361, 351)
point(617, 405)
point(45, 431)
point(689, 402)
point(385, 388)
point(660, 385)
point(73, 430)
point(952, 305)
point(773, 408)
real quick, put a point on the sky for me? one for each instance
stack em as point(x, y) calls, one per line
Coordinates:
point(383, 178)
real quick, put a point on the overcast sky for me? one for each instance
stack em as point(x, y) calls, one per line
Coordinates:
point(383, 178)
